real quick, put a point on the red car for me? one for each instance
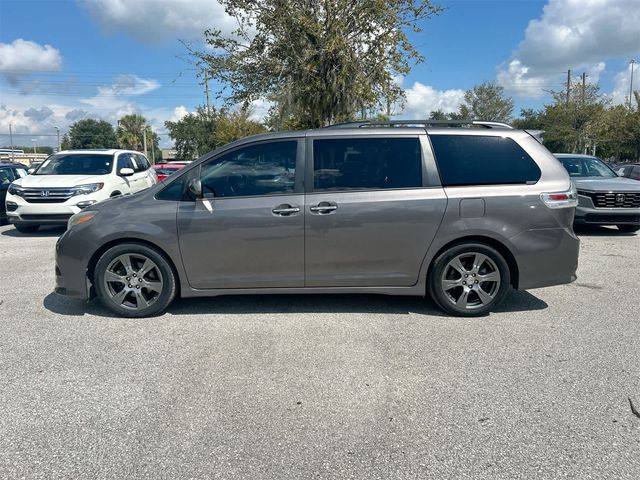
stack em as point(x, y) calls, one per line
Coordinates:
point(163, 170)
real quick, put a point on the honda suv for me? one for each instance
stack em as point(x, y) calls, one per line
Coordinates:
point(463, 214)
point(69, 181)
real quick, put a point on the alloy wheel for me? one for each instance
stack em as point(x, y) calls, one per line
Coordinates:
point(470, 280)
point(133, 281)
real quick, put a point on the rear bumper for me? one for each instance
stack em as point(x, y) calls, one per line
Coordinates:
point(546, 257)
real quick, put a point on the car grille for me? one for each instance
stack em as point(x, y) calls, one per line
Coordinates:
point(614, 199)
point(47, 195)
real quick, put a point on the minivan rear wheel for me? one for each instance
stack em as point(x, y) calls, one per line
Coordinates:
point(134, 280)
point(469, 279)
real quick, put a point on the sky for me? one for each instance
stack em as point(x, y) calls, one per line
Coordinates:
point(64, 60)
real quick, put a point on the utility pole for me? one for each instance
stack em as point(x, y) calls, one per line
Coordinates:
point(144, 139)
point(206, 92)
point(632, 62)
point(568, 85)
point(13, 159)
point(58, 134)
point(153, 147)
point(584, 86)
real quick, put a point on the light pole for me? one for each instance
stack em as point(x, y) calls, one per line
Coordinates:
point(632, 62)
point(58, 134)
point(34, 145)
point(144, 139)
point(13, 158)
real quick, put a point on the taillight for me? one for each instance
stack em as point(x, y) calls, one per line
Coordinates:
point(567, 199)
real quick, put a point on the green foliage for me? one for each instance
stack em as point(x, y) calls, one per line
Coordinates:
point(488, 102)
point(90, 133)
point(318, 62)
point(205, 130)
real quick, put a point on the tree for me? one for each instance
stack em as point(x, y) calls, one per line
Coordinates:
point(318, 62)
point(65, 144)
point(487, 101)
point(130, 134)
point(90, 133)
point(205, 130)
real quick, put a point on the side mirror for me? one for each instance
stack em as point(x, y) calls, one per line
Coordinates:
point(31, 170)
point(620, 172)
point(194, 188)
point(126, 172)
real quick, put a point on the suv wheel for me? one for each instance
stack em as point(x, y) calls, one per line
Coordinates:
point(27, 228)
point(134, 280)
point(469, 280)
point(628, 228)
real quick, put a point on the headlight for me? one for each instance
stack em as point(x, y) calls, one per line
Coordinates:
point(88, 188)
point(82, 217)
point(15, 190)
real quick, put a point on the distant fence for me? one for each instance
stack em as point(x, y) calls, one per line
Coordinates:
point(24, 158)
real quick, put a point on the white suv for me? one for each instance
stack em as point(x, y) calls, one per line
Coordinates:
point(69, 181)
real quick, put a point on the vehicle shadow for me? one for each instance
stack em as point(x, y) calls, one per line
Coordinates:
point(598, 231)
point(517, 301)
point(42, 232)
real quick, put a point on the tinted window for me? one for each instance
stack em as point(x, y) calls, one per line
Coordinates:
point(142, 163)
point(586, 167)
point(478, 160)
point(124, 161)
point(76, 164)
point(20, 172)
point(165, 171)
point(366, 163)
point(263, 169)
point(5, 176)
point(174, 192)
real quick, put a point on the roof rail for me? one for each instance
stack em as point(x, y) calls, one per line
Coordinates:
point(421, 123)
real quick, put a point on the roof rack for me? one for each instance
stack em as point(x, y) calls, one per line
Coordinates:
point(421, 123)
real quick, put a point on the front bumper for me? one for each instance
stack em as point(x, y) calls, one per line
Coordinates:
point(607, 216)
point(71, 265)
point(27, 213)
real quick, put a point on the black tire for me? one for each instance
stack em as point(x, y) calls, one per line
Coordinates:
point(499, 288)
point(27, 228)
point(628, 228)
point(167, 280)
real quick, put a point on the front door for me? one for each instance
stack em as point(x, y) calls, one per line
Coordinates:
point(248, 230)
point(370, 216)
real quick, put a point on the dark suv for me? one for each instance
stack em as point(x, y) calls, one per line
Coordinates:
point(400, 208)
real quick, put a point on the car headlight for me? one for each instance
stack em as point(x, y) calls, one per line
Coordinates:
point(15, 190)
point(82, 217)
point(88, 188)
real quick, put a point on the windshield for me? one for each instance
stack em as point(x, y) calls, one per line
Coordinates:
point(586, 167)
point(76, 164)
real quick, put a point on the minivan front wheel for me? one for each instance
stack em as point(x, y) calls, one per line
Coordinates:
point(469, 279)
point(134, 280)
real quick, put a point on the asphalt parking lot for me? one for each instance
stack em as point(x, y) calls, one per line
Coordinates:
point(332, 387)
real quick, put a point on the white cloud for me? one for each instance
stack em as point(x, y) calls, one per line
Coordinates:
point(155, 20)
point(115, 96)
point(424, 99)
point(571, 34)
point(179, 113)
point(22, 57)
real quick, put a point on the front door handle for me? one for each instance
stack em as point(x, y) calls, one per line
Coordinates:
point(324, 208)
point(285, 210)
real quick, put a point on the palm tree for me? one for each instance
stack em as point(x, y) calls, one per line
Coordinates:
point(129, 131)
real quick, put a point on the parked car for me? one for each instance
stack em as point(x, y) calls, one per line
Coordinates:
point(604, 197)
point(163, 170)
point(463, 214)
point(9, 172)
point(630, 170)
point(72, 180)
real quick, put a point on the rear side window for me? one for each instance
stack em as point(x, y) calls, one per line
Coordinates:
point(477, 160)
point(366, 163)
point(142, 163)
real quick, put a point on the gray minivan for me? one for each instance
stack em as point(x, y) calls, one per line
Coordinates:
point(461, 212)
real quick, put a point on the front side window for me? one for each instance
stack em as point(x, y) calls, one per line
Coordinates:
point(142, 163)
point(366, 164)
point(262, 169)
point(20, 172)
point(76, 164)
point(465, 160)
point(586, 167)
point(124, 161)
